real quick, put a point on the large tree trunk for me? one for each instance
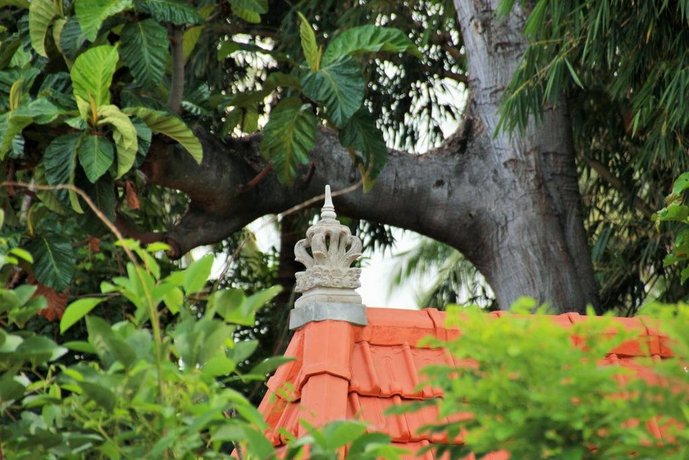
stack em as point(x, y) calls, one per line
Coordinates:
point(509, 203)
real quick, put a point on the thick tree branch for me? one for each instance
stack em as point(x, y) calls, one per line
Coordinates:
point(418, 192)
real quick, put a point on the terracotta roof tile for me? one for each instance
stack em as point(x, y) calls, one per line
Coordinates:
point(345, 371)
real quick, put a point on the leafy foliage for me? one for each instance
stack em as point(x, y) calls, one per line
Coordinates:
point(555, 401)
point(136, 389)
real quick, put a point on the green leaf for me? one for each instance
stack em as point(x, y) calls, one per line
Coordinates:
point(41, 14)
point(145, 51)
point(268, 365)
point(92, 76)
point(190, 39)
point(95, 155)
point(218, 366)
point(11, 125)
point(171, 126)
point(341, 432)
point(108, 346)
point(71, 38)
point(339, 86)
point(172, 11)
point(289, 136)
point(77, 310)
point(124, 134)
point(196, 275)
point(681, 184)
point(103, 396)
point(60, 161)
point(54, 260)
point(237, 309)
point(368, 39)
point(258, 444)
point(362, 134)
point(92, 13)
point(309, 45)
point(249, 10)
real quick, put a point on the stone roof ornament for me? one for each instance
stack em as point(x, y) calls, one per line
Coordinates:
point(328, 284)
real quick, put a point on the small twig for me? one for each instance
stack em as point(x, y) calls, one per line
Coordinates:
point(257, 179)
point(318, 198)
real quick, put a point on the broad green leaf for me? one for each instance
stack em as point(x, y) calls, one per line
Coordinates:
point(77, 310)
point(249, 10)
point(190, 39)
point(342, 432)
point(368, 39)
point(92, 13)
point(58, 25)
point(339, 86)
point(145, 51)
point(103, 396)
point(237, 309)
point(18, 3)
point(124, 134)
point(171, 126)
point(172, 11)
point(226, 48)
point(243, 350)
point(219, 366)
point(196, 275)
point(38, 349)
point(109, 346)
point(268, 365)
point(308, 44)
point(258, 445)
point(96, 154)
point(288, 137)
point(41, 14)
point(54, 260)
point(71, 38)
point(10, 389)
point(362, 134)
point(92, 76)
point(681, 184)
point(11, 125)
point(60, 161)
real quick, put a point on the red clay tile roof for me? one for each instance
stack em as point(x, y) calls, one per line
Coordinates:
point(344, 371)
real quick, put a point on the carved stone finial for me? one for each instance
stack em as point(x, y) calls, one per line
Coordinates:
point(328, 282)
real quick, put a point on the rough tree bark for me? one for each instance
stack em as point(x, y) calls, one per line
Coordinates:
point(509, 203)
